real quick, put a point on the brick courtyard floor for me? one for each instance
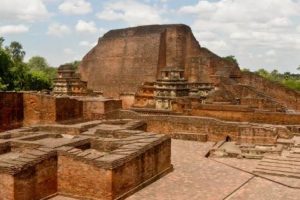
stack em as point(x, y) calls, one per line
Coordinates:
point(198, 178)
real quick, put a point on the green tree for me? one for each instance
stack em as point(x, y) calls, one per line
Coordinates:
point(75, 64)
point(262, 72)
point(16, 51)
point(20, 73)
point(3, 86)
point(231, 59)
point(6, 65)
point(1, 42)
point(38, 80)
point(37, 63)
point(287, 79)
point(245, 70)
point(40, 64)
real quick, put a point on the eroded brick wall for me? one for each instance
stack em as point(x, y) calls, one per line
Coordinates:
point(126, 58)
point(95, 109)
point(35, 182)
point(68, 109)
point(45, 109)
point(11, 110)
point(77, 178)
point(107, 184)
point(6, 187)
point(289, 98)
point(139, 170)
point(243, 115)
point(39, 108)
point(215, 129)
point(127, 100)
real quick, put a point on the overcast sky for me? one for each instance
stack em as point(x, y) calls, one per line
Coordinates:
point(260, 33)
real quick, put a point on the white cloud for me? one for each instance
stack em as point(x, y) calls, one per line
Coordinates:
point(13, 29)
point(29, 10)
point(58, 30)
point(271, 53)
point(87, 44)
point(83, 26)
point(75, 7)
point(244, 27)
point(243, 10)
point(68, 51)
point(132, 12)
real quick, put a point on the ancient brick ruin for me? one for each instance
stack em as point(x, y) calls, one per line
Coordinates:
point(68, 82)
point(108, 160)
point(105, 132)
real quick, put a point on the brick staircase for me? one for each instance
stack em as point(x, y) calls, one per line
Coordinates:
point(287, 165)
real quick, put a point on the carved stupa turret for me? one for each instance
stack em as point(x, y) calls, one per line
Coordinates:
point(68, 82)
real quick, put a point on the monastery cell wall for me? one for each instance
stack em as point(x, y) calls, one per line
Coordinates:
point(11, 110)
point(242, 115)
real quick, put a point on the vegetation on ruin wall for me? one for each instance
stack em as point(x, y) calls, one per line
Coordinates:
point(17, 75)
point(287, 79)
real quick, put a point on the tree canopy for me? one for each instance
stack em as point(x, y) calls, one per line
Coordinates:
point(17, 75)
point(287, 79)
point(231, 58)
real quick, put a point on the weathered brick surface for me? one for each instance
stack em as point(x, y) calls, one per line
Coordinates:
point(39, 108)
point(137, 171)
point(29, 108)
point(215, 129)
point(11, 110)
point(89, 160)
point(284, 95)
point(68, 108)
point(123, 59)
point(6, 187)
point(237, 113)
point(81, 179)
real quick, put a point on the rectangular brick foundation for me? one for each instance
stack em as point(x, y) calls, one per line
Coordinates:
point(111, 182)
point(103, 160)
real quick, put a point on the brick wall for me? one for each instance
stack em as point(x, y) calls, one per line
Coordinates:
point(11, 110)
point(289, 98)
point(126, 58)
point(127, 100)
point(95, 182)
point(96, 109)
point(77, 178)
point(35, 182)
point(68, 109)
point(233, 113)
point(39, 108)
point(215, 129)
point(141, 169)
point(45, 109)
point(6, 187)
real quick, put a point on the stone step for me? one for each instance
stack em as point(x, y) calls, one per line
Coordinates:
point(295, 150)
point(279, 162)
point(282, 159)
point(252, 156)
point(294, 156)
point(275, 173)
point(296, 134)
point(279, 169)
point(287, 142)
